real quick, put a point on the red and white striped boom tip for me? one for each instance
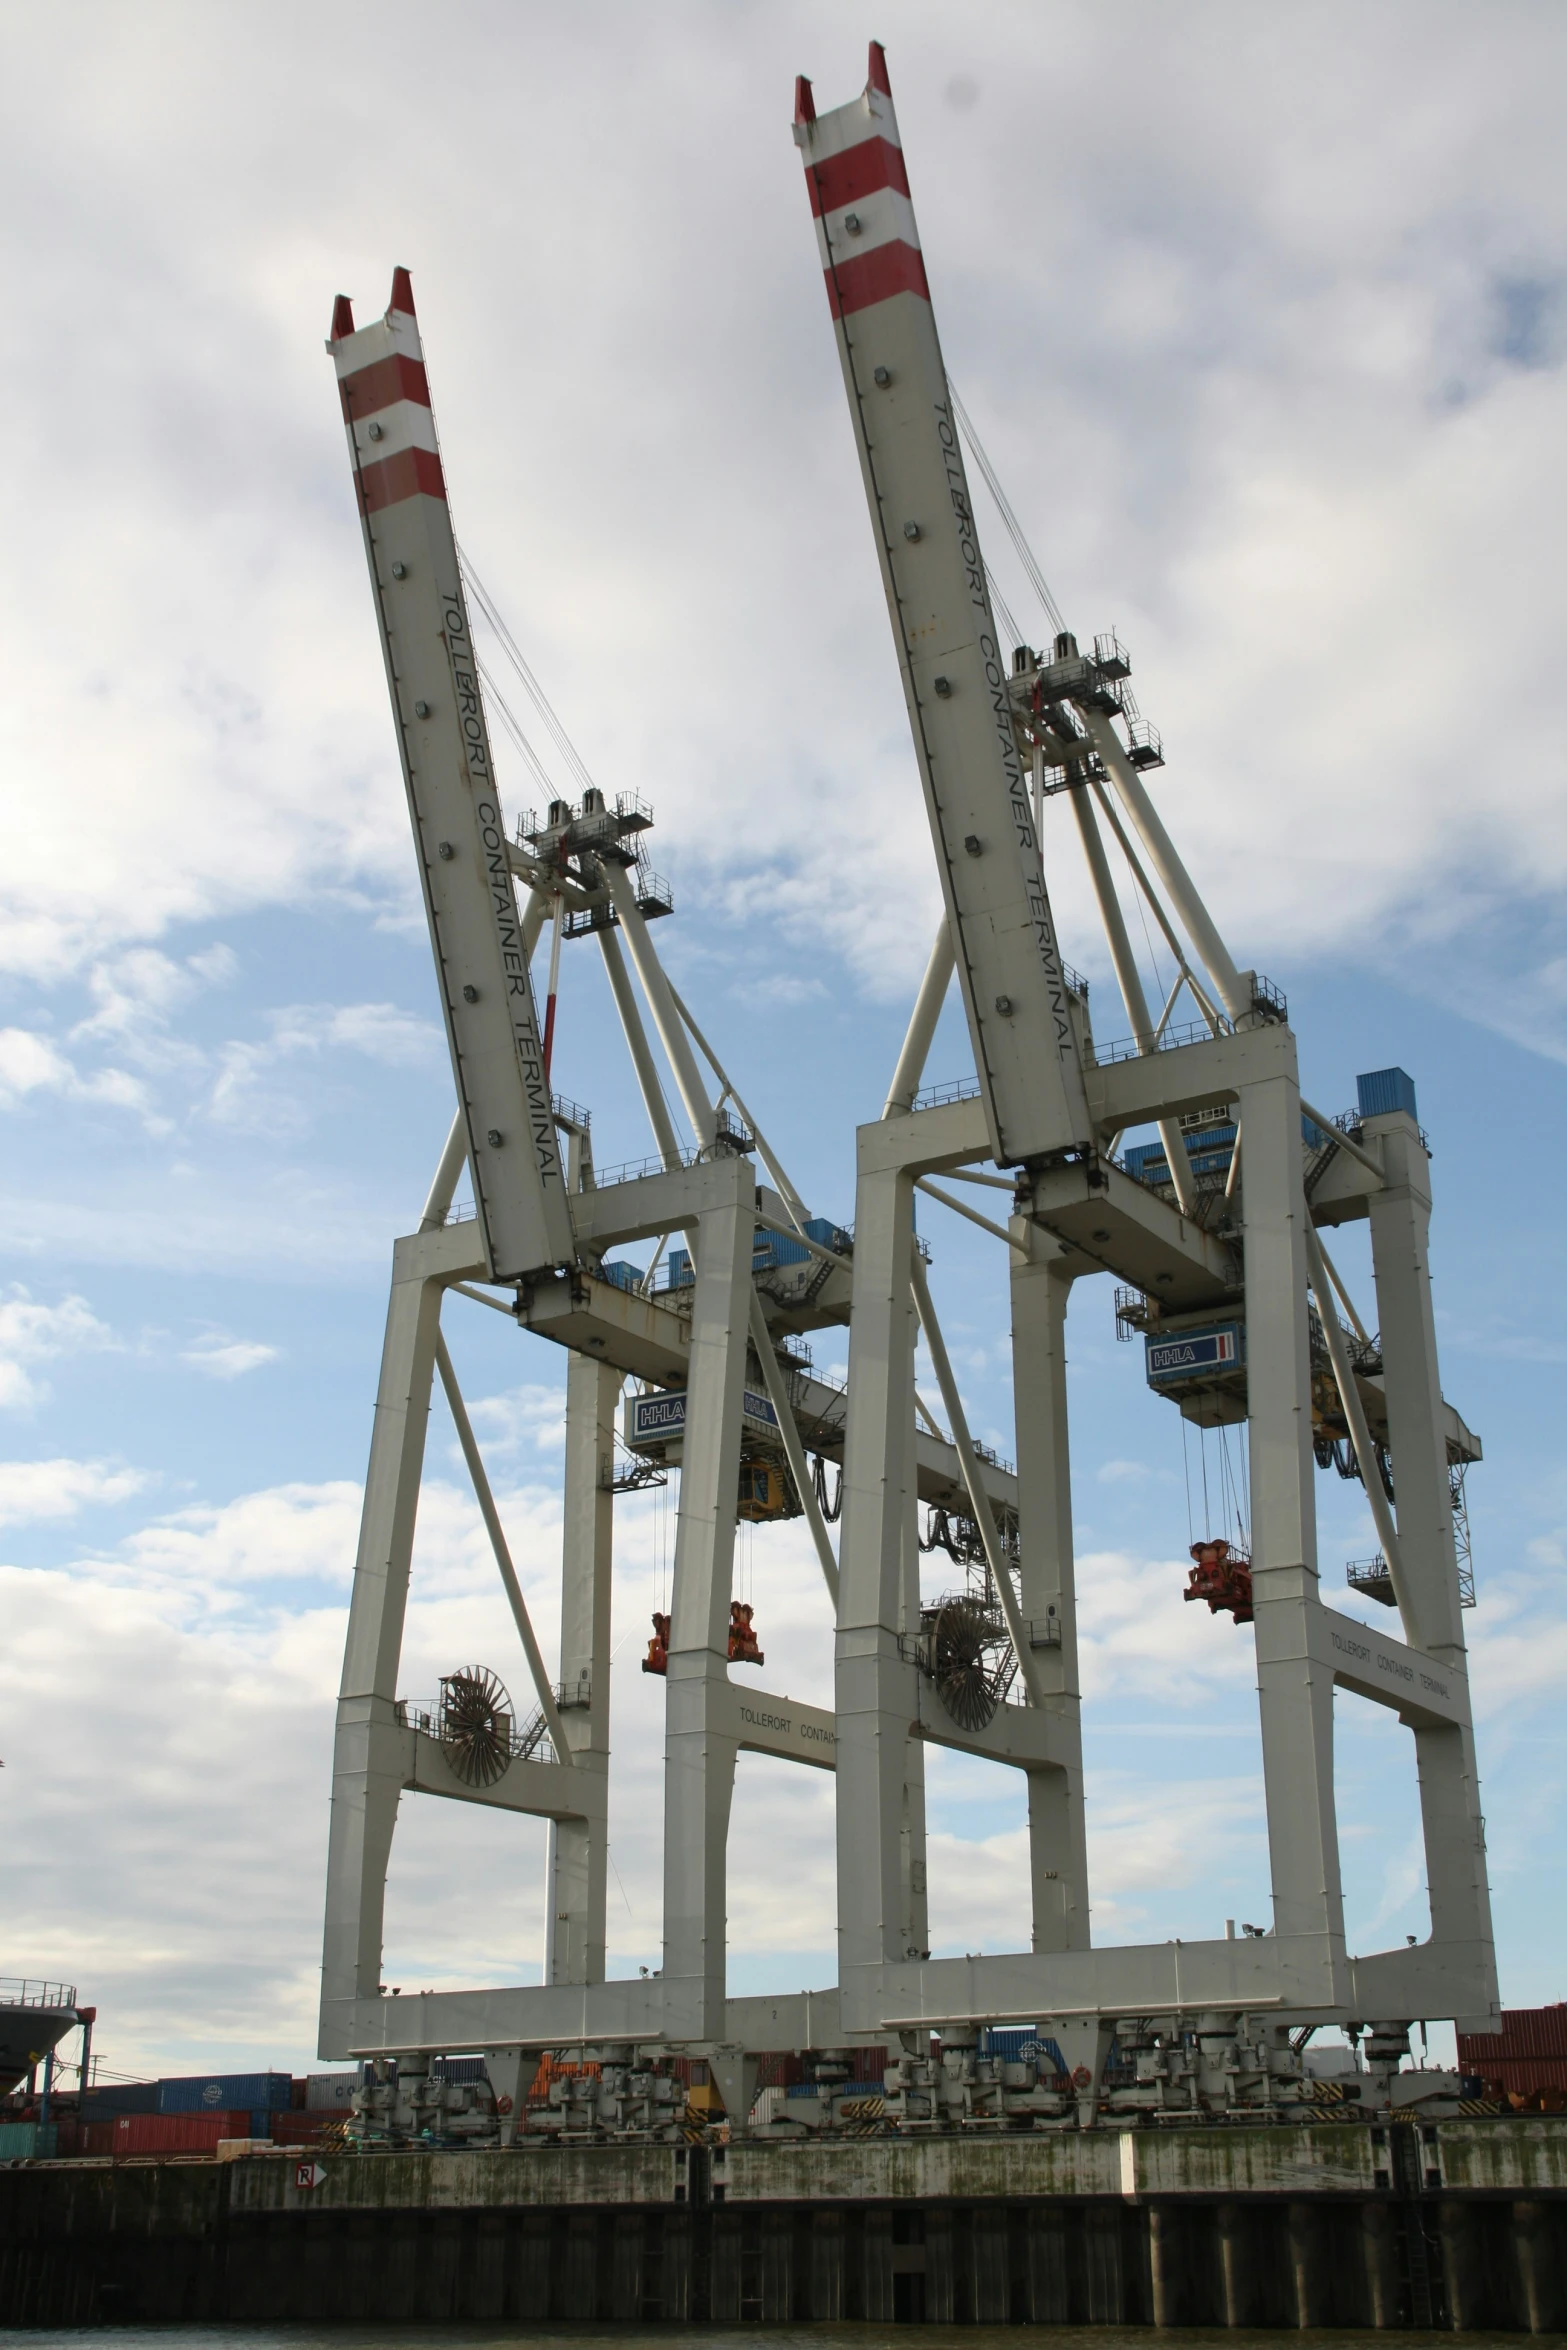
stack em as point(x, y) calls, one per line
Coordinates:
point(381, 377)
point(859, 193)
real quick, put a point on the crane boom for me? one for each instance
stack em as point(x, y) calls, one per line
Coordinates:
point(481, 961)
point(954, 670)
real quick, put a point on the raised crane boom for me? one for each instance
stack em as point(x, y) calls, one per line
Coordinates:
point(954, 670)
point(481, 963)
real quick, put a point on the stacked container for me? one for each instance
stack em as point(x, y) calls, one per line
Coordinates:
point(1528, 2055)
point(170, 2133)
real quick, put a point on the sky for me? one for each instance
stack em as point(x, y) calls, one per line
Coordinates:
point(1260, 314)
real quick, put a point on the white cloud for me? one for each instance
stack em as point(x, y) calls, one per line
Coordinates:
point(228, 1358)
point(30, 1490)
point(247, 1094)
point(33, 1063)
point(1137, 1633)
point(284, 1533)
point(1303, 429)
point(531, 1418)
point(1517, 1642)
point(32, 1333)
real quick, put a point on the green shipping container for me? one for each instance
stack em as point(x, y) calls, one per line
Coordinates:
point(28, 2141)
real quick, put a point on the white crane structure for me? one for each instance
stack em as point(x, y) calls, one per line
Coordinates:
point(721, 1393)
point(1215, 1235)
point(1211, 1229)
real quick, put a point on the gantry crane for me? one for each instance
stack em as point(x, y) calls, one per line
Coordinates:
point(1214, 1230)
point(707, 1347)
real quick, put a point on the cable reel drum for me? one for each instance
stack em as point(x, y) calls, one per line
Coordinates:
point(476, 1725)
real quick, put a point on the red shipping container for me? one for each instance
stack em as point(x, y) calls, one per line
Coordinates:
point(176, 2133)
point(1531, 2033)
point(304, 2129)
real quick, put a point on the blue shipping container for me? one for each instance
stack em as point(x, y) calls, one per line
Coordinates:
point(1013, 2042)
point(108, 2100)
point(227, 2093)
point(28, 2141)
point(1381, 1091)
point(461, 2068)
point(623, 1276)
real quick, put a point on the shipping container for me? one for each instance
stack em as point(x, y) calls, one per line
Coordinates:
point(1531, 2032)
point(176, 2133)
point(28, 2141)
point(1381, 1091)
point(109, 2098)
point(1013, 2042)
point(226, 2093)
point(303, 2129)
point(331, 2092)
point(779, 2068)
point(461, 2068)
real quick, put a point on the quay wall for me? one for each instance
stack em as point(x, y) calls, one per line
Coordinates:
point(1459, 2225)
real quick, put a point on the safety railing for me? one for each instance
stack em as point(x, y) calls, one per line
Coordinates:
point(956, 1089)
point(22, 1991)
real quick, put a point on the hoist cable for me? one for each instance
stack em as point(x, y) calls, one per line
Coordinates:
point(1013, 527)
point(498, 702)
point(531, 686)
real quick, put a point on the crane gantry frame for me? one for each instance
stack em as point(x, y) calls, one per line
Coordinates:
point(995, 736)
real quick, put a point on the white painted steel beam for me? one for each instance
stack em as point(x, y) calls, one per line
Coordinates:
point(369, 1753)
point(698, 1755)
point(661, 1003)
point(761, 1723)
point(476, 931)
point(789, 1430)
point(875, 1685)
point(1129, 980)
point(499, 1545)
point(953, 664)
point(577, 1863)
point(922, 1025)
point(1042, 1274)
point(640, 1050)
point(1295, 1700)
point(1166, 861)
point(1452, 1822)
point(1000, 1571)
point(541, 1790)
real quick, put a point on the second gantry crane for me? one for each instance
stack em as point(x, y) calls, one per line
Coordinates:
point(1214, 1231)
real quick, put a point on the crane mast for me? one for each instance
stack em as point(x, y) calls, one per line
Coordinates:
point(465, 870)
point(954, 672)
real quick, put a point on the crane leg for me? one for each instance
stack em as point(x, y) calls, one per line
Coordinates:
point(579, 1849)
point(875, 1690)
point(1057, 1836)
point(1295, 1699)
point(699, 1761)
point(1454, 1831)
point(369, 1763)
